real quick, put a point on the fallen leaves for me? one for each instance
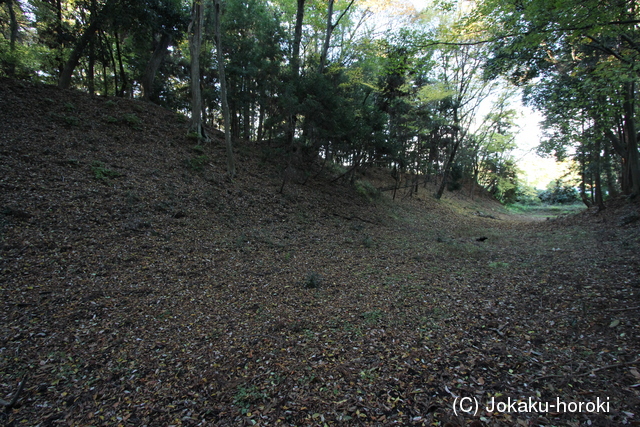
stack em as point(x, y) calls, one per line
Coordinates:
point(165, 296)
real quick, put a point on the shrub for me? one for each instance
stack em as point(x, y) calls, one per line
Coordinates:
point(312, 280)
point(101, 172)
point(526, 195)
point(335, 169)
point(559, 193)
point(132, 120)
point(197, 163)
point(455, 175)
point(368, 190)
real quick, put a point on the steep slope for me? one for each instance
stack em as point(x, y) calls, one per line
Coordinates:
point(141, 287)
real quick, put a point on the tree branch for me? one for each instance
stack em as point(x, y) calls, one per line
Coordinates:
point(343, 13)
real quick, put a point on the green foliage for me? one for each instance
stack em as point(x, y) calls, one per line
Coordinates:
point(198, 149)
point(248, 395)
point(527, 196)
point(559, 193)
point(312, 280)
point(455, 175)
point(197, 163)
point(101, 172)
point(70, 120)
point(194, 136)
point(335, 169)
point(368, 242)
point(373, 316)
point(578, 64)
point(367, 190)
point(132, 120)
point(380, 101)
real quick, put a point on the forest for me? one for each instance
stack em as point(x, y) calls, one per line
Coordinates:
point(310, 213)
point(361, 83)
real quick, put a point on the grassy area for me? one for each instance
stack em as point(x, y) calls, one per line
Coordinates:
point(546, 211)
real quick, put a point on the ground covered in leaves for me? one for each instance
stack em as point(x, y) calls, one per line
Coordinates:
point(140, 287)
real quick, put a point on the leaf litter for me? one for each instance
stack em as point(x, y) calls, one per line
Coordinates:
point(139, 291)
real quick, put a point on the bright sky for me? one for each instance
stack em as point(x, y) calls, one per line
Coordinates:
point(538, 171)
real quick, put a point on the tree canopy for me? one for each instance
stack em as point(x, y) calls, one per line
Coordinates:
point(341, 81)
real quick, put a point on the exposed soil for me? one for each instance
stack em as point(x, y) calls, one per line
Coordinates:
point(141, 287)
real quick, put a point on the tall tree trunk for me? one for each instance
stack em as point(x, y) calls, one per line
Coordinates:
point(297, 39)
point(58, 32)
point(91, 85)
point(329, 31)
point(327, 38)
point(611, 183)
point(295, 73)
point(231, 164)
point(95, 23)
point(92, 58)
point(195, 43)
point(13, 36)
point(105, 81)
point(260, 130)
point(457, 139)
point(295, 66)
point(114, 65)
point(149, 75)
point(631, 136)
point(123, 76)
point(583, 180)
point(13, 24)
point(599, 199)
point(447, 168)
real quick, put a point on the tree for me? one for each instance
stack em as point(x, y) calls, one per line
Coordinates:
point(195, 45)
point(231, 166)
point(96, 21)
point(594, 40)
point(462, 73)
point(9, 59)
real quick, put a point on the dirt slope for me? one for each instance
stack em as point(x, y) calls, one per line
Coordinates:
point(140, 287)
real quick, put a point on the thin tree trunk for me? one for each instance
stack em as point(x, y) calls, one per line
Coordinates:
point(297, 39)
point(329, 31)
point(58, 30)
point(105, 81)
point(632, 138)
point(295, 66)
point(91, 71)
point(13, 37)
point(114, 66)
point(327, 38)
point(13, 25)
point(123, 76)
point(583, 180)
point(611, 183)
point(295, 73)
point(195, 43)
point(231, 165)
point(260, 130)
point(92, 58)
point(599, 199)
